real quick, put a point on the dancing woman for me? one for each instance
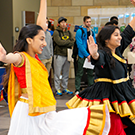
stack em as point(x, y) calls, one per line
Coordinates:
point(112, 85)
point(31, 102)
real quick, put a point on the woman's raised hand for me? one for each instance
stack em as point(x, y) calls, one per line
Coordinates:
point(2, 53)
point(133, 2)
point(92, 47)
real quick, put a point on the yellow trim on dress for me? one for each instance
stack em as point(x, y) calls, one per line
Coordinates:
point(112, 81)
point(104, 118)
point(97, 120)
point(23, 100)
point(124, 109)
point(24, 90)
point(119, 58)
point(14, 91)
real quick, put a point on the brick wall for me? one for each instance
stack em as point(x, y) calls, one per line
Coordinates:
point(74, 10)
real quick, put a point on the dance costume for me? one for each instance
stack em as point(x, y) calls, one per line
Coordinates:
point(36, 114)
point(112, 85)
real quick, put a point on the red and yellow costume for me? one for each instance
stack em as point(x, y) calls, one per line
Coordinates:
point(33, 81)
point(31, 77)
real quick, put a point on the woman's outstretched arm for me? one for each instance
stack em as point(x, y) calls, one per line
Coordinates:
point(16, 58)
point(41, 19)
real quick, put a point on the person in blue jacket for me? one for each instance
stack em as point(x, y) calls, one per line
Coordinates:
point(81, 37)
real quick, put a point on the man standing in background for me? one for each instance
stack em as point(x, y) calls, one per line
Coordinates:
point(47, 53)
point(81, 37)
point(63, 40)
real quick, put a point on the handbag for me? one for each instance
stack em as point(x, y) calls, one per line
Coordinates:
point(131, 57)
point(69, 55)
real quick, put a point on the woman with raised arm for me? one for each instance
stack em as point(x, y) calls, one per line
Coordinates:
point(31, 101)
point(112, 85)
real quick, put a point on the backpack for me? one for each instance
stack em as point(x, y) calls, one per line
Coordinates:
point(75, 48)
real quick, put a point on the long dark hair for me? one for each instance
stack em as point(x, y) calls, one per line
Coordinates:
point(29, 31)
point(103, 35)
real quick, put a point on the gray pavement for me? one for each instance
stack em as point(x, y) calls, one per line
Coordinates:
point(61, 100)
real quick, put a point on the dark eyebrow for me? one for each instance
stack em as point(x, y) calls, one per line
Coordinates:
point(116, 33)
point(42, 36)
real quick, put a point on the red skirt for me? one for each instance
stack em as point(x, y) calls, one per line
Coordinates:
point(117, 127)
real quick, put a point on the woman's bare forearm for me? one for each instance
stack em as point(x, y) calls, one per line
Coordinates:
point(12, 58)
point(41, 19)
point(132, 23)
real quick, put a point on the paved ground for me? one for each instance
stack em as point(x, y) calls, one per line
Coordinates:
point(4, 114)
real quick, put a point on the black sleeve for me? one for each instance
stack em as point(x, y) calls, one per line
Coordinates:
point(127, 36)
point(101, 59)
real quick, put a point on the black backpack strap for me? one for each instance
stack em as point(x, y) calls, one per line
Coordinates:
point(92, 33)
point(69, 34)
point(75, 49)
point(54, 43)
point(82, 31)
point(59, 34)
